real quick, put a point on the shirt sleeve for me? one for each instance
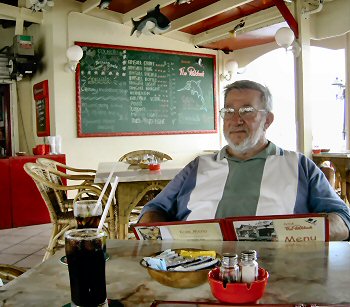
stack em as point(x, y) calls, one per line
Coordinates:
point(173, 199)
point(321, 196)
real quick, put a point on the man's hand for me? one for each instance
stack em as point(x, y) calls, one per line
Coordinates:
point(153, 216)
point(338, 231)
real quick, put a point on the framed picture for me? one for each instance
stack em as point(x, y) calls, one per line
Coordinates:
point(42, 107)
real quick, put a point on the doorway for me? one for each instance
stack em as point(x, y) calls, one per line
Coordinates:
point(5, 122)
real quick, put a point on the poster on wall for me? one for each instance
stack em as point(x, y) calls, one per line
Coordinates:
point(42, 107)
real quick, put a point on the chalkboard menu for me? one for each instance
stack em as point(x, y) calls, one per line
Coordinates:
point(135, 91)
point(41, 115)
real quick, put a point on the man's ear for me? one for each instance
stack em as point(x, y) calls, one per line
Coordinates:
point(269, 119)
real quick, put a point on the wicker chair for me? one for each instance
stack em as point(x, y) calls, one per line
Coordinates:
point(84, 176)
point(63, 220)
point(10, 272)
point(135, 157)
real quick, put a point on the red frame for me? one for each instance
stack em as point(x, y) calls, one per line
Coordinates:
point(98, 134)
point(41, 93)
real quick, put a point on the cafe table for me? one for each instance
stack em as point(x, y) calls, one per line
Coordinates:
point(134, 183)
point(308, 273)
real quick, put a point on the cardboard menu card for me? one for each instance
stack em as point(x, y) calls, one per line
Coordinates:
point(279, 228)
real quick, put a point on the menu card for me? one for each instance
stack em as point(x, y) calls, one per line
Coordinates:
point(278, 228)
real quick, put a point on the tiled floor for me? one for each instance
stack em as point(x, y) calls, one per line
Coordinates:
point(24, 246)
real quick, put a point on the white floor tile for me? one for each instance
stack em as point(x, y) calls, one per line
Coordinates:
point(14, 239)
point(30, 261)
point(4, 245)
point(10, 258)
point(24, 246)
point(42, 239)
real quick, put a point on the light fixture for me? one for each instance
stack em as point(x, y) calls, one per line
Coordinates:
point(74, 54)
point(285, 38)
point(230, 68)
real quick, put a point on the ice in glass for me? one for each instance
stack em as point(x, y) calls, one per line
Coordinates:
point(87, 213)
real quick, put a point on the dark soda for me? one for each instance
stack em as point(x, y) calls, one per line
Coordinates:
point(86, 265)
point(88, 221)
point(87, 213)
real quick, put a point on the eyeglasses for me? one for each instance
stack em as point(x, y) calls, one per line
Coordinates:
point(248, 112)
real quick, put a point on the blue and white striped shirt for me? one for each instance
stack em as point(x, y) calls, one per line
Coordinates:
point(286, 182)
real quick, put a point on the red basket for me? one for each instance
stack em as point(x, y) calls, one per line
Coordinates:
point(238, 292)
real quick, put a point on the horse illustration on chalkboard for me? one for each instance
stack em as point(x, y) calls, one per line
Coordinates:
point(195, 89)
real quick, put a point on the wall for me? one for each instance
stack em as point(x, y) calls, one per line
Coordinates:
point(62, 26)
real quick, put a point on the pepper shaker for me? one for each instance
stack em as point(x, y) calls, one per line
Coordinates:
point(229, 270)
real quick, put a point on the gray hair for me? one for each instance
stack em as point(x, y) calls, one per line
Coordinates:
point(266, 97)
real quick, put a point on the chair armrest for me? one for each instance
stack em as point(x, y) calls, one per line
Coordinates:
point(70, 176)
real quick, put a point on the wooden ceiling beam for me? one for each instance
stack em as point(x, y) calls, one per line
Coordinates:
point(89, 5)
point(205, 13)
point(10, 11)
point(287, 15)
point(142, 10)
point(252, 22)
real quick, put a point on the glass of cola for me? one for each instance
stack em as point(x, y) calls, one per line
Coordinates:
point(86, 266)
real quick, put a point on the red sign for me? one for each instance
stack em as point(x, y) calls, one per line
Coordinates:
point(42, 106)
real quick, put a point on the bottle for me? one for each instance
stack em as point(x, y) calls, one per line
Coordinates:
point(248, 266)
point(229, 270)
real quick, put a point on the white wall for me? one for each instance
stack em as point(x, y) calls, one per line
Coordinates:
point(64, 26)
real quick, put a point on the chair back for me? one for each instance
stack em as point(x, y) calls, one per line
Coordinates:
point(63, 167)
point(41, 176)
point(51, 164)
point(42, 180)
point(87, 177)
point(135, 157)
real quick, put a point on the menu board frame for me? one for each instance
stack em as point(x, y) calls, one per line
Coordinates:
point(42, 108)
point(180, 130)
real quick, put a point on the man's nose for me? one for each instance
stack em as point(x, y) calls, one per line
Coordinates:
point(236, 118)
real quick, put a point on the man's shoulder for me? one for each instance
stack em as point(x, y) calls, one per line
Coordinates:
point(303, 161)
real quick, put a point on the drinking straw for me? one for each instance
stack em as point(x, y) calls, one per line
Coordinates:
point(110, 197)
point(104, 189)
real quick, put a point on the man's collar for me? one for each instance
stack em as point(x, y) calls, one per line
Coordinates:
point(267, 151)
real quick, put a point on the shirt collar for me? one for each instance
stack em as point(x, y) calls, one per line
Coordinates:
point(268, 151)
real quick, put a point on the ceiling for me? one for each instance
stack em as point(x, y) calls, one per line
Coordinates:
point(225, 25)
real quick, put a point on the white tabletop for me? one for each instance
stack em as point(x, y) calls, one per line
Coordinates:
point(130, 173)
point(309, 272)
point(345, 154)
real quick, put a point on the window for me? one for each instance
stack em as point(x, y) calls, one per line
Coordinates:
point(275, 69)
point(327, 68)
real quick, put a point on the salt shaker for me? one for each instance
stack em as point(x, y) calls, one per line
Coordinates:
point(229, 270)
point(248, 266)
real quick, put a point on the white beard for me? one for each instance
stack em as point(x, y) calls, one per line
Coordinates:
point(248, 143)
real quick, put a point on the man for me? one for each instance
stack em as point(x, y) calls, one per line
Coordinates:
point(249, 176)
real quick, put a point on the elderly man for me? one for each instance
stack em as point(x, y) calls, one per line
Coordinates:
point(249, 176)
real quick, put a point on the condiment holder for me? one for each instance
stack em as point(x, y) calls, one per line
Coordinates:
point(177, 279)
point(238, 293)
